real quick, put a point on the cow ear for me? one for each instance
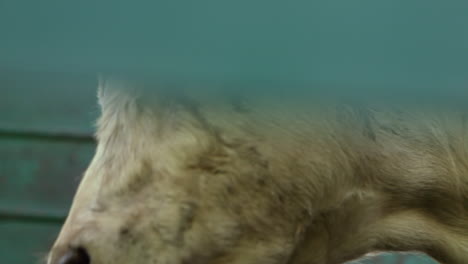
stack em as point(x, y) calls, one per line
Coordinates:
point(101, 91)
point(106, 84)
point(110, 89)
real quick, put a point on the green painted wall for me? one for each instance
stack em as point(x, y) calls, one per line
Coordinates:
point(404, 44)
point(46, 124)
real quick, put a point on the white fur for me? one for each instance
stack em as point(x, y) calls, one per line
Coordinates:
point(193, 180)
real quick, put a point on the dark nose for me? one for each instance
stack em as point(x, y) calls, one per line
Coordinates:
point(75, 256)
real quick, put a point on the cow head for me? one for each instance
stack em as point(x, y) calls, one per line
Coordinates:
point(168, 186)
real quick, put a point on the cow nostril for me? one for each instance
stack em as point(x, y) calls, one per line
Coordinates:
point(75, 256)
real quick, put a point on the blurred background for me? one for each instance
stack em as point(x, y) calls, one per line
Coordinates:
point(52, 51)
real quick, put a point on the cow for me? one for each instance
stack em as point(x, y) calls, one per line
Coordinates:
point(193, 177)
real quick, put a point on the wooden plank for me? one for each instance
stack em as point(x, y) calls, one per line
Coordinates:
point(398, 258)
point(25, 243)
point(40, 102)
point(38, 177)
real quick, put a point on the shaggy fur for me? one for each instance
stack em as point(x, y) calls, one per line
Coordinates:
point(191, 179)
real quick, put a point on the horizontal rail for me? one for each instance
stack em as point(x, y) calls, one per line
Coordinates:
point(31, 217)
point(50, 136)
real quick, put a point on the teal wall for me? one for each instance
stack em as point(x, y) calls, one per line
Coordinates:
point(45, 145)
point(404, 44)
